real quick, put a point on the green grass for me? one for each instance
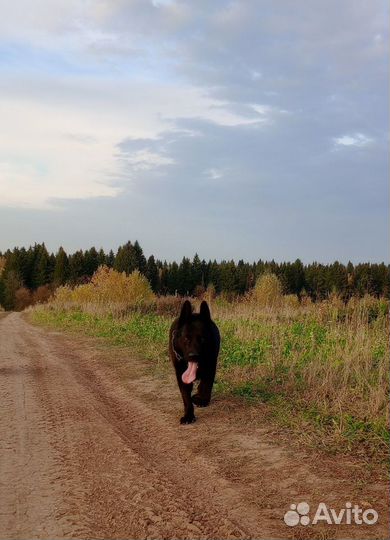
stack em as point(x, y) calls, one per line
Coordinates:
point(315, 378)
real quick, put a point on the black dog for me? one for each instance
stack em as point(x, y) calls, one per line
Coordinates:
point(194, 342)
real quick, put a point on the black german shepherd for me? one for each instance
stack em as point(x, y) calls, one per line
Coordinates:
point(194, 342)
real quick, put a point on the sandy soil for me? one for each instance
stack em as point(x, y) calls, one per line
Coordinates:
point(91, 447)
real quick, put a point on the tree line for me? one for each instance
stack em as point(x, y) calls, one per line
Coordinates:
point(36, 271)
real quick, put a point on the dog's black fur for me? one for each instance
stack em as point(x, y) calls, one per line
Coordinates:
point(194, 337)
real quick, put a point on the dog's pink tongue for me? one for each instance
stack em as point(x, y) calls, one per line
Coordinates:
point(190, 373)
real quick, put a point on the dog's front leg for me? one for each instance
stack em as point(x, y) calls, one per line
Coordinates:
point(185, 390)
point(203, 395)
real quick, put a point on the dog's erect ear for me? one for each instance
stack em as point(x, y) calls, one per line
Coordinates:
point(205, 311)
point(185, 313)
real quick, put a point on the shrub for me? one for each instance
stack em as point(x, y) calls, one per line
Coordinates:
point(23, 298)
point(42, 294)
point(110, 285)
point(267, 291)
point(168, 305)
point(108, 290)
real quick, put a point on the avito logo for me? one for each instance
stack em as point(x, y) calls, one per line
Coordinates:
point(349, 515)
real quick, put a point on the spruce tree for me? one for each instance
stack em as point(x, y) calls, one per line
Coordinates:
point(151, 272)
point(41, 266)
point(140, 261)
point(124, 259)
point(61, 268)
point(76, 267)
point(185, 283)
point(110, 259)
point(196, 272)
point(102, 258)
point(91, 261)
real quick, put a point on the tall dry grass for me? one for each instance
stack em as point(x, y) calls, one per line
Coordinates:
point(330, 356)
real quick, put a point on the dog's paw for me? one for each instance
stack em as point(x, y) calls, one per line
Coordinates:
point(200, 402)
point(187, 419)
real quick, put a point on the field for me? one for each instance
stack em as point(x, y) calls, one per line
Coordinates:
point(318, 369)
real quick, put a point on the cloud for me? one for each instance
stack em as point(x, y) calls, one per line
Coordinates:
point(357, 139)
point(63, 135)
point(52, 153)
point(213, 174)
point(143, 160)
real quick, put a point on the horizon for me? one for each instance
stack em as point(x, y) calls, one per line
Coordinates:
point(191, 256)
point(232, 130)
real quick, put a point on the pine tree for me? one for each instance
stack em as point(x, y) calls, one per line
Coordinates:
point(242, 277)
point(76, 267)
point(214, 275)
point(184, 277)
point(151, 272)
point(228, 276)
point(379, 280)
point(338, 278)
point(172, 278)
point(102, 257)
point(61, 268)
point(316, 278)
point(125, 260)
point(91, 261)
point(196, 273)
point(41, 267)
point(140, 261)
point(110, 259)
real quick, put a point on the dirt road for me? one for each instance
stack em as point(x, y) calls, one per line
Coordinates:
point(91, 448)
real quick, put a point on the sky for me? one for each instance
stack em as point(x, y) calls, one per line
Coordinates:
point(234, 129)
